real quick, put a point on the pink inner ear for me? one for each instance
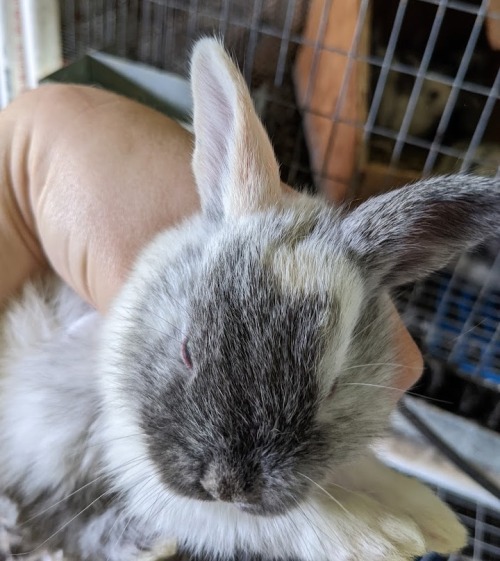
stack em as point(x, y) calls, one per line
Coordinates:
point(234, 163)
point(186, 356)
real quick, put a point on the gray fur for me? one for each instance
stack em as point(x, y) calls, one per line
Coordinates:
point(250, 406)
point(404, 235)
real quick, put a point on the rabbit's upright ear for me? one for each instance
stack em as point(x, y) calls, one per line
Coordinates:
point(403, 235)
point(234, 164)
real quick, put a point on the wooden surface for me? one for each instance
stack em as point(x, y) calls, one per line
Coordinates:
point(377, 178)
point(320, 76)
point(493, 25)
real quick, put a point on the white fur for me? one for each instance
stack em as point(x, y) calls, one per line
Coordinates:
point(49, 362)
point(232, 152)
point(378, 516)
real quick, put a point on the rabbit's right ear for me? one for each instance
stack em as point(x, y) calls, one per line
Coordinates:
point(233, 162)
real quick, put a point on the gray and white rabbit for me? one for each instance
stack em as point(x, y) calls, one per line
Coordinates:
point(230, 399)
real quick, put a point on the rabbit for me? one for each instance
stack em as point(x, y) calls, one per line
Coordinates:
point(398, 88)
point(232, 398)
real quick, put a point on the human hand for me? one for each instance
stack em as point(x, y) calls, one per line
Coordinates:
point(87, 179)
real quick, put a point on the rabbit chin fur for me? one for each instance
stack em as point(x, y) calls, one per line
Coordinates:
point(103, 422)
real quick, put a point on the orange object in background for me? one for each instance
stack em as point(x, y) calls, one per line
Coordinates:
point(331, 88)
point(493, 25)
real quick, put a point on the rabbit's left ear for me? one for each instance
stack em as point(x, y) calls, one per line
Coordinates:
point(404, 235)
point(234, 164)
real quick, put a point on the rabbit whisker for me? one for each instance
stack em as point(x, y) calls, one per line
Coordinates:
point(416, 368)
point(65, 525)
point(311, 524)
point(103, 442)
point(395, 389)
point(129, 521)
point(79, 490)
point(326, 493)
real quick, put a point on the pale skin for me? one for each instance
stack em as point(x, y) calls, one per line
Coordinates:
point(87, 178)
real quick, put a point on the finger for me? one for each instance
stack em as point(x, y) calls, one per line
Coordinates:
point(408, 354)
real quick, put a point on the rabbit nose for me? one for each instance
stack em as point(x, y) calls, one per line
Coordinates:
point(221, 488)
point(227, 487)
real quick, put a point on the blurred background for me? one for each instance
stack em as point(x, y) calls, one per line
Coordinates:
point(358, 96)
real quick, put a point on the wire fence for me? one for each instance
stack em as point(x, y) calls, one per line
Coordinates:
point(430, 101)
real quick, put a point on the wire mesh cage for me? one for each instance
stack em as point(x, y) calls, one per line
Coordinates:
point(393, 100)
point(263, 36)
point(483, 524)
point(360, 96)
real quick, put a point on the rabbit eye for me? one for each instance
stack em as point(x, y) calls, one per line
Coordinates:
point(185, 354)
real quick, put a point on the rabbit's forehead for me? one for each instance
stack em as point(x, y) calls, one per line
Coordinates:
point(286, 272)
point(293, 253)
point(309, 268)
point(308, 271)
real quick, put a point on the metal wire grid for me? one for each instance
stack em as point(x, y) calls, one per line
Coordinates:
point(265, 36)
point(457, 83)
point(455, 314)
point(483, 525)
point(147, 29)
point(262, 35)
